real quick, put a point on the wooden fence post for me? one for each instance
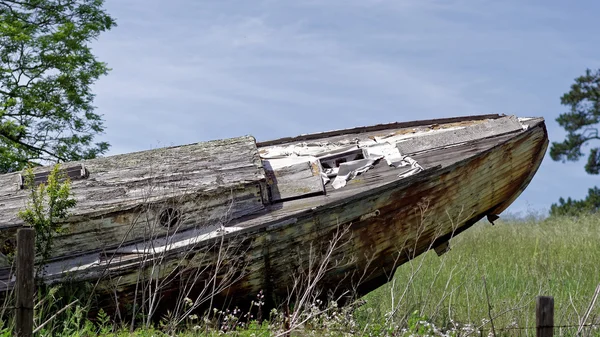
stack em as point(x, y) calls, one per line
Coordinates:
point(25, 282)
point(544, 316)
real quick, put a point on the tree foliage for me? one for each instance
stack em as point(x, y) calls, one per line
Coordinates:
point(580, 122)
point(47, 70)
point(591, 204)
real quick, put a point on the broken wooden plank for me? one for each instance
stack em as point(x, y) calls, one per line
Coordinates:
point(290, 178)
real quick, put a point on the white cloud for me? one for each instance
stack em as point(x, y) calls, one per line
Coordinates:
point(187, 71)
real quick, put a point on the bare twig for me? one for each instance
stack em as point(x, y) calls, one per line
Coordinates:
point(54, 316)
point(589, 310)
point(487, 295)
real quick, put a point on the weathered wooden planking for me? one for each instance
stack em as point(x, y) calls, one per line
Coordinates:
point(346, 141)
point(455, 197)
point(490, 128)
point(293, 178)
point(482, 178)
point(374, 129)
point(111, 189)
point(124, 196)
point(452, 199)
point(514, 166)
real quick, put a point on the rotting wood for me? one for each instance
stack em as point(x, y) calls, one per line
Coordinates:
point(460, 185)
point(208, 183)
point(381, 238)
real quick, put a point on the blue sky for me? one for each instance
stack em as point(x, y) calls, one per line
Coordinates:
point(186, 70)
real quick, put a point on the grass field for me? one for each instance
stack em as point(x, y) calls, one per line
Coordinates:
point(490, 270)
point(519, 260)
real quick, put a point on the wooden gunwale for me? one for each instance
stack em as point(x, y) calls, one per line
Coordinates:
point(373, 128)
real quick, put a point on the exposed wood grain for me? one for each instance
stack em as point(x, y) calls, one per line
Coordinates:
point(208, 182)
point(375, 128)
point(293, 180)
point(379, 244)
point(490, 128)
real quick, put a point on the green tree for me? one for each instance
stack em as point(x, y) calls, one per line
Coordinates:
point(46, 72)
point(49, 204)
point(569, 207)
point(581, 122)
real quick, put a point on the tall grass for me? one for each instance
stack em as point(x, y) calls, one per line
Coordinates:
point(514, 261)
point(491, 273)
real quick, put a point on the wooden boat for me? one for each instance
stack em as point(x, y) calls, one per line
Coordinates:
point(332, 213)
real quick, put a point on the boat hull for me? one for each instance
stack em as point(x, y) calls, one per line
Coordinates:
point(341, 249)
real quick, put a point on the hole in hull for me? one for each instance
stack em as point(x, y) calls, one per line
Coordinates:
point(169, 217)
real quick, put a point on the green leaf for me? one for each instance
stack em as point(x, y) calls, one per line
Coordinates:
point(47, 207)
point(47, 71)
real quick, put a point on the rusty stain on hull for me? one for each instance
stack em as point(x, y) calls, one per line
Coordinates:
point(379, 222)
